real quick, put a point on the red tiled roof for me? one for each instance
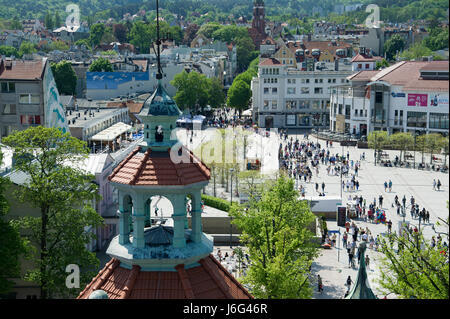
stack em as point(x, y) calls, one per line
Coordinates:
point(365, 58)
point(321, 45)
point(22, 70)
point(363, 75)
point(407, 74)
point(210, 280)
point(157, 168)
point(132, 106)
point(436, 66)
point(270, 61)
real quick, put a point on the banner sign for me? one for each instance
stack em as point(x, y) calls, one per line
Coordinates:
point(437, 100)
point(54, 112)
point(418, 100)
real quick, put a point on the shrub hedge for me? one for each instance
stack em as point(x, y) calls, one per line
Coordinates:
point(216, 202)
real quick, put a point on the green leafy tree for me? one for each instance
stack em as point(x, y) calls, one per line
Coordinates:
point(412, 268)
point(192, 90)
point(416, 51)
point(395, 44)
point(239, 96)
point(58, 22)
point(377, 140)
point(8, 51)
point(65, 77)
point(63, 194)
point(434, 144)
point(16, 24)
point(402, 141)
point(140, 36)
point(96, 34)
point(208, 29)
point(26, 48)
point(437, 40)
point(101, 65)
point(382, 64)
point(48, 21)
point(216, 96)
point(276, 231)
point(13, 245)
point(85, 42)
point(59, 45)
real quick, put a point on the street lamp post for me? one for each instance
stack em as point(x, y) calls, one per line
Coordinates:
point(231, 203)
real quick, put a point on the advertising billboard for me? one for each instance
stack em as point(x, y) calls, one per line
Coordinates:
point(418, 100)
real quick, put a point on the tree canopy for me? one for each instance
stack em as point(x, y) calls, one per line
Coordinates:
point(276, 231)
point(101, 65)
point(65, 77)
point(62, 192)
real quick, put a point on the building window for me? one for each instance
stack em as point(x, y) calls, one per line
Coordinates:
point(439, 121)
point(291, 105)
point(8, 87)
point(266, 90)
point(379, 97)
point(290, 90)
point(274, 90)
point(305, 104)
point(318, 90)
point(29, 99)
point(304, 91)
point(266, 105)
point(315, 105)
point(30, 119)
point(367, 66)
point(417, 119)
point(274, 104)
point(9, 109)
point(359, 66)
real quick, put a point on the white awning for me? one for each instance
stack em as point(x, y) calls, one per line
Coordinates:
point(111, 133)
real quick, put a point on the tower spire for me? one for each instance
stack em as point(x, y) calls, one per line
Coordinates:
point(158, 44)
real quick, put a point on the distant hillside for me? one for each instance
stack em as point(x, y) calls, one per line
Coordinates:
point(391, 10)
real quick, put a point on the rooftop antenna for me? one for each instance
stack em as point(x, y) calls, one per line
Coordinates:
point(159, 74)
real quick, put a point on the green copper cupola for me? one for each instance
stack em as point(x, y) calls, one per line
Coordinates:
point(159, 115)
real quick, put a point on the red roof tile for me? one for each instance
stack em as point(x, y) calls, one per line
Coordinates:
point(207, 281)
point(157, 168)
point(21, 69)
point(407, 75)
point(365, 58)
point(270, 61)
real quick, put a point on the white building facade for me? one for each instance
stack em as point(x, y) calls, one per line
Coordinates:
point(410, 96)
point(284, 97)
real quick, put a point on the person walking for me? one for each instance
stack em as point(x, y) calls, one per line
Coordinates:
point(348, 283)
point(434, 184)
point(380, 200)
point(350, 259)
point(439, 184)
point(385, 186)
point(367, 261)
point(319, 284)
point(323, 187)
point(390, 186)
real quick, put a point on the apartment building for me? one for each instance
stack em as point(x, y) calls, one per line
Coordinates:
point(286, 97)
point(409, 96)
